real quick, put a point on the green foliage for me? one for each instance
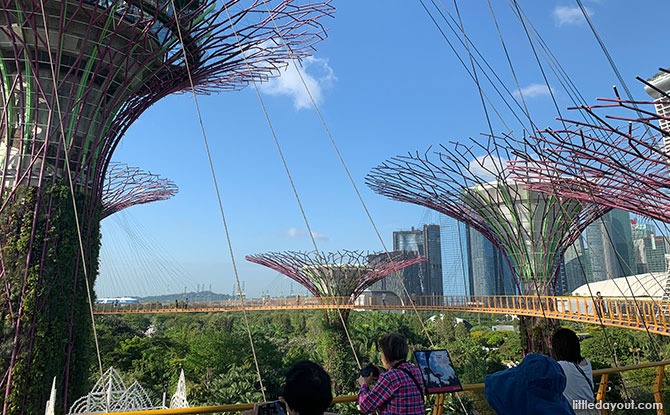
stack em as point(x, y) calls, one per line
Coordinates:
point(214, 351)
point(48, 332)
point(239, 384)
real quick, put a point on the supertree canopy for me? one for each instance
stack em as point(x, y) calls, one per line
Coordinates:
point(75, 75)
point(129, 186)
point(600, 159)
point(472, 184)
point(335, 274)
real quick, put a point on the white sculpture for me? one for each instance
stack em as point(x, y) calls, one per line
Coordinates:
point(111, 395)
point(51, 403)
point(179, 398)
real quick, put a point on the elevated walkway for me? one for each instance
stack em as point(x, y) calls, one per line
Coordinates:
point(640, 314)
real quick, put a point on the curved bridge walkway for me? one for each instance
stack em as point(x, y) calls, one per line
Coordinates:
point(636, 314)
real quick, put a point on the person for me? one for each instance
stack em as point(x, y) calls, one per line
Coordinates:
point(384, 299)
point(599, 304)
point(399, 390)
point(534, 387)
point(307, 390)
point(578, 372)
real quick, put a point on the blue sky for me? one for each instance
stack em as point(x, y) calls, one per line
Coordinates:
point(386, 82)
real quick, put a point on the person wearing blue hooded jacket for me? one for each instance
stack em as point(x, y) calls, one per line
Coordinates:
point(534, 387)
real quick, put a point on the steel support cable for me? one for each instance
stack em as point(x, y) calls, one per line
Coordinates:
point(325, 126)
point(460, 59)
point(467, 43)
point(474, 72)
point(116, 282)
point(495, 147)
point(509, 63)
point(537, 58)
point(143, 250)
point(290, 177)
point(358, 194)
point(216, 184)
point(561, 75)
point(71, 185)
point(608, 55)
point(494, 73)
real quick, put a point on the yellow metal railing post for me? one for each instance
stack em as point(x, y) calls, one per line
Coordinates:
point(438, 405)
point(602, 390)
point(658, 391)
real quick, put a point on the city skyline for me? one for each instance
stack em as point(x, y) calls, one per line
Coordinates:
point(374, 108)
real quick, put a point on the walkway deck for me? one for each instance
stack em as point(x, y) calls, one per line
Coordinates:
point(639, 314)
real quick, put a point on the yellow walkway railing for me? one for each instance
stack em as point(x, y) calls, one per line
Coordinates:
point(657, 389)
point(639, 314)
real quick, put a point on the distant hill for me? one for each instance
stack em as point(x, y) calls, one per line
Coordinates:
point(193, 297)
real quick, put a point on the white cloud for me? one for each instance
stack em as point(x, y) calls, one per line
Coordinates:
point(487, 167)
point(533, 90)
point(299, 233)
point(317, 75)
point(565, 15)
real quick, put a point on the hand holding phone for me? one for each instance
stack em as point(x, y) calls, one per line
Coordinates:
point(271, 408)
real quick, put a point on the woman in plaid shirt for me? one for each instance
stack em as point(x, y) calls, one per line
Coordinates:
point(399, 390)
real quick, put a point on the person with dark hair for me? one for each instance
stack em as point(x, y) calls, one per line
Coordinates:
point(566, 350)
point(399, 390)
point(307, 390)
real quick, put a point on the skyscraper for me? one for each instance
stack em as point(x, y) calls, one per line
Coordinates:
point(609, 244)
point(576, 266)
point(454, 257)
point(650, 248)
point(661, 81)
point(424, 278)
point(489, 272)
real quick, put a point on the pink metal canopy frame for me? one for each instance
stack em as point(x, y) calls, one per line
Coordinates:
point(129, 186)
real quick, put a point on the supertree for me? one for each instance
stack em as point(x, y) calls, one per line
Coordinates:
point(336, 274)
point(129, 186)
point(75, 75)
point(470, 182)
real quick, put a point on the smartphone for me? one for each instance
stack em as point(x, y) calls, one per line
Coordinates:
point(272, 408)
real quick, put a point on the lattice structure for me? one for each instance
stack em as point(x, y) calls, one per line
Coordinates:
point(336, 274)
point(75, 75)
point(110, 394)
point(129, 186)
point(470, 182)
point(621, 165)
point(179, 399)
